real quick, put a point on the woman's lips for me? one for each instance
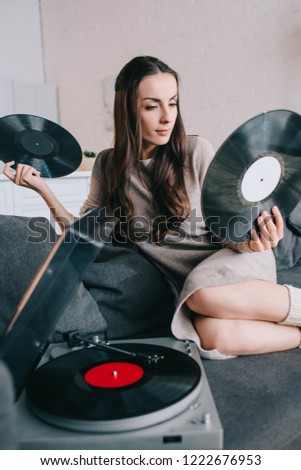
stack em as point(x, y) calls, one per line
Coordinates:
point(163, 131)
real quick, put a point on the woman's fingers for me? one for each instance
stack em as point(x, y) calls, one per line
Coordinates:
point(24, 175)
point(21, 172)
point(271, 228)
point(279, 222)
point(270, 231)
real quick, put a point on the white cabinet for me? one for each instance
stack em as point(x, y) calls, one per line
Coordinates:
point(6, 198)
point(71, 191)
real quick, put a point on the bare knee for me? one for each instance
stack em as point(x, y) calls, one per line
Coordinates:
point(203, 300)
point(217, 333)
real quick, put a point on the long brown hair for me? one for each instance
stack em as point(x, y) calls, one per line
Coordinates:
point(167, 186)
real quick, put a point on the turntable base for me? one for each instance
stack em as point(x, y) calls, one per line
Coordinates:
point(196, 427)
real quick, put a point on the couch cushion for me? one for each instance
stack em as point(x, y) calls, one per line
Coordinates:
point(294, 220)
point(131, 293)
point(123, 294)
point(257, 398)
point(288, 251)
point(24, 244)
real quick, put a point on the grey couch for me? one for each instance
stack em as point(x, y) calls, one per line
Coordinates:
point(258, 396)
point(124, 295)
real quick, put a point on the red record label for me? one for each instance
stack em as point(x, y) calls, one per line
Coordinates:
point(114, 375)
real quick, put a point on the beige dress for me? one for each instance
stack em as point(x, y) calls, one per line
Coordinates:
point(189, 258)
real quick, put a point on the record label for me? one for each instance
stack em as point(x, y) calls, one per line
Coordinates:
point(261, 179)
point(114, 375)
point(37, 143)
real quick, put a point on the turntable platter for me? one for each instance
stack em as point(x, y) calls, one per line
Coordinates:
point(93, 391)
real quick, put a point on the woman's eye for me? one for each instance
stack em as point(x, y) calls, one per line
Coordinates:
point(150, 107)
point(173, 104)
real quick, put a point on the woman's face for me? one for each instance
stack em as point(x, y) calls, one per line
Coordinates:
point(158, 101)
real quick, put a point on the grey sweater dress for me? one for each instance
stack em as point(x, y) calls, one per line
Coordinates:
point(188, 258)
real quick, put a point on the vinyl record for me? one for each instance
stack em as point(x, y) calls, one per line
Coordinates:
point(77, 390)
point(40, 143)
point(257, 167)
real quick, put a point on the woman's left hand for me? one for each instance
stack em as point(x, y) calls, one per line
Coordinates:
point(271, 230)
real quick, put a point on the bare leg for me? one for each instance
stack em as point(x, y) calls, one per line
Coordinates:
point(244, 337)
point(250, 300)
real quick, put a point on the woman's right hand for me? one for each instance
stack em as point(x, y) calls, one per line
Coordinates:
point(29, 177)
point(25, 175)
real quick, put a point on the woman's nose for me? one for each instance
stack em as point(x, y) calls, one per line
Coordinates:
point(165, 115)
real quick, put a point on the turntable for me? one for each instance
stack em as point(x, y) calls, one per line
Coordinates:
point(191, 422)
point(88, 394)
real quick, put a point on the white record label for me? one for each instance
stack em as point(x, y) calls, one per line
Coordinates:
point(260, 179)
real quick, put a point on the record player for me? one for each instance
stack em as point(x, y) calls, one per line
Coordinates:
point(88, 394)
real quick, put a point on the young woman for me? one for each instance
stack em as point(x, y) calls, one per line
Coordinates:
point(228, 299)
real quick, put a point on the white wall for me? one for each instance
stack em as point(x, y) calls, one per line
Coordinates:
point(236, 58)
point(21, 55)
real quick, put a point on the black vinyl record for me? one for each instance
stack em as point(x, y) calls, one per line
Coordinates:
point(257, 167)
point(40, 143)
point(61, 392)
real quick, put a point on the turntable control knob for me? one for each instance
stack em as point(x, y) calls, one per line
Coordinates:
point(96, 339)
point(206, 418)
